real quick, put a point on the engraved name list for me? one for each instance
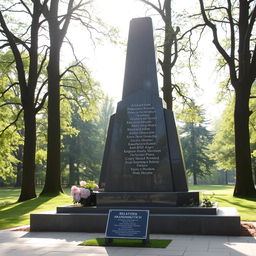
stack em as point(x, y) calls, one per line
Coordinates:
point(141, 152)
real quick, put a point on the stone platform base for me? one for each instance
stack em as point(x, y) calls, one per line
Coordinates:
point(147, 199)
point(225, 222)
point(153, 210)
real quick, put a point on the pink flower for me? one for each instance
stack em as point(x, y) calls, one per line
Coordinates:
point(96, 187)
point(75, 190)
point(85, 193)
point(83, 183)
point(77, 197)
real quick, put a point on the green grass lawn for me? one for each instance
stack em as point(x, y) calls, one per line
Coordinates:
point(13, 214)
point(223, 195)
point(153, 243)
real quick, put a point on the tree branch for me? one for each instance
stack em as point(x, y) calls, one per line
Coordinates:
point(159, 10)
point(12, 123)
point(216, 42)
point(190, 30)
point(16, 53)
point(232, 30)
point(42, 62)
point(26, 7)
point(10, 103)
point(253, 65)
point(39, 91)
point(8, 88)
point(40, 106)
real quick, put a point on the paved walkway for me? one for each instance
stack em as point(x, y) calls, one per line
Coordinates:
point(20, 243)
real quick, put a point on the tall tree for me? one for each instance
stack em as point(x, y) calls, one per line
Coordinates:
point(239, 53)
point(82, 142)
point(58, 23)
point(58, 26)
point(195, 139)
point(10, 139)
point(222, 147)
point(170, 47)
point(107, 109)
point(17, 40)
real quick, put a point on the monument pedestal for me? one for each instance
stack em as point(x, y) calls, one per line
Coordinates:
point(143, 165)
point(147, 199)
point(162, 220)
point(142, 151)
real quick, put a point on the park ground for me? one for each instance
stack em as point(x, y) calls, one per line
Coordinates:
point(13, 214)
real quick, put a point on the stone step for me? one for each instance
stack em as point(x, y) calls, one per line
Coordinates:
point(153, 210)
point(226, 222)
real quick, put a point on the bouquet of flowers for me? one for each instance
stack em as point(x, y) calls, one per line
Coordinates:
point(85, 194)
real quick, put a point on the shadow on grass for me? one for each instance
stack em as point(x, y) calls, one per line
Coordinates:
point(5, 204)
point(249, 198)
point(9, 194)
point(211, 187)
point(18, 212)
point(241, 204)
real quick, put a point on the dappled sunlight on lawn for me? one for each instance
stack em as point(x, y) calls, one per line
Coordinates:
point(223, 195)
point(16, 214)
point(217, 189)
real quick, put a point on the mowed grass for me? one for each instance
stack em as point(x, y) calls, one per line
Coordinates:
point(13, 214)
point(153, 243)
point(223, 195)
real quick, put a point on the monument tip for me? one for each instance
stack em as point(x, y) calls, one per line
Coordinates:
point(141, 19)
point(140, 68)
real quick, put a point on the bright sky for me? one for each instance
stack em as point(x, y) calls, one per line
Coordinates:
point(107, 61)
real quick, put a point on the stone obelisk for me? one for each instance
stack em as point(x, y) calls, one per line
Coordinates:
point(142, 157)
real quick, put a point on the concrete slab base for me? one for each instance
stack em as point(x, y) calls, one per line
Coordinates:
point(225, 222)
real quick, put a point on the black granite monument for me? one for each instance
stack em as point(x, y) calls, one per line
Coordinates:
point(143, 159)
point(143, 167)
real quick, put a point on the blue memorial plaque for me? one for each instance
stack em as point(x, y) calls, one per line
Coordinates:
point(131, 224)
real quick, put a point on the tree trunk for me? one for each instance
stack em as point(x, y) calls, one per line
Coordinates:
point(78, 173)
point(19, 167)
point(244, 181)
point(193, 149)
point(254, 176)
point(166, 64)
point(72, 171)
point(53, 175)
point(194, 178)
point(28, 175)
point(226, 177)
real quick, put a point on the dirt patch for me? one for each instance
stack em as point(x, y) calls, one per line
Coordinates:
point(22, 229)
point(248, 229)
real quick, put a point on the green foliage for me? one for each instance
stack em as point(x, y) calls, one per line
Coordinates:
point(206, 201)
point(8, 144)
point(90, 185)
point(223, 195)
point(10, 138)
point(222, 147)
point(81, 91)
point(82, 152)
point(195, 138)
point(189, 113)
point(106, 110)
